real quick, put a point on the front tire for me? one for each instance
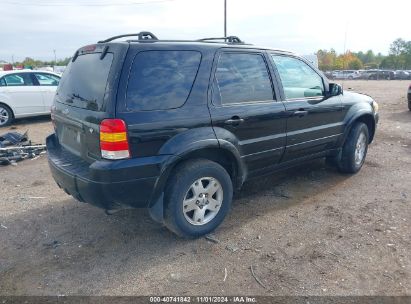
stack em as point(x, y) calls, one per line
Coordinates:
point(355, 149)
point(6, 115)
point(198, 197)
point(409, 105)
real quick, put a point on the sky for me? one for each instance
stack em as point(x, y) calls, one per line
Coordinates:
point(37, 28)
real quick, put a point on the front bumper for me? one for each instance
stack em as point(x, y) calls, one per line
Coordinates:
point(103, 183)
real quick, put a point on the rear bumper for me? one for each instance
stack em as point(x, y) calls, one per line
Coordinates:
point(105, 184)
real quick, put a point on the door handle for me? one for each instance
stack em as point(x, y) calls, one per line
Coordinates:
point(235, 121)
point(300, 113)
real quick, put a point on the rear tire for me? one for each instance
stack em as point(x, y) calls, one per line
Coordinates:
point(409, 105)
point(197, 199)
point(355, 149)
point(6, 115)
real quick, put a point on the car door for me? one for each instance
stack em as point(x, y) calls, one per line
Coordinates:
point(244, 109)
point(48, 84)
point(314, 122)
point(25, 97)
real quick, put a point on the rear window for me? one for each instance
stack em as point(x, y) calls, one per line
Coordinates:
point(161, 80)
point(84, 81)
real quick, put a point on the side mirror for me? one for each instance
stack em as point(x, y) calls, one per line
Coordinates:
point(334, 90)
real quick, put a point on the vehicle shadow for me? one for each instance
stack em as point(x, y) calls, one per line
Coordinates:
point(65, 245)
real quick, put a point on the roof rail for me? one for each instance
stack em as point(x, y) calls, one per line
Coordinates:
point(141, 36)
point(229, 39)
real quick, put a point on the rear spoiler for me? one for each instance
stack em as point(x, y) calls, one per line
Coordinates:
point(92, 48)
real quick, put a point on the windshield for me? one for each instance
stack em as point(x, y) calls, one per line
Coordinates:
point(84, 81)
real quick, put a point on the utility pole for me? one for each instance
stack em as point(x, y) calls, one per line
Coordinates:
point(55, 58)
point(225, 18)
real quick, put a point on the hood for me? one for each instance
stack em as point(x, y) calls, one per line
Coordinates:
point(359, 97)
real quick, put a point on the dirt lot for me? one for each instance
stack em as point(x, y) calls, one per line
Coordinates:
point(306, 231)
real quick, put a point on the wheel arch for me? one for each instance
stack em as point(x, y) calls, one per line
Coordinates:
point(9, 107)
point(366, 118)
point(369, 120)
point(228, 159)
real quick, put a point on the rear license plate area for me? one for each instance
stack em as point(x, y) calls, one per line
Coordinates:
point(71, 139)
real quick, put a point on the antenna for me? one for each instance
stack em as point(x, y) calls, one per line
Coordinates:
point(345, 51)
point(225, 18)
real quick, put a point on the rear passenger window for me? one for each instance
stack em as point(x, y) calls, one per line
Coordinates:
point(2, 82)
point(242, 78)
point(47, 79)
point(161, 80)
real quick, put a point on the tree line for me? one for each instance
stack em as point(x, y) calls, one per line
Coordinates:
point(399, 58)
point(30, 62)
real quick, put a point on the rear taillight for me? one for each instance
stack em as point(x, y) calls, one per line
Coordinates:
point(113, 139)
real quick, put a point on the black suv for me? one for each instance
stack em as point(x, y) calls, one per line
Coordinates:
point(177, 126)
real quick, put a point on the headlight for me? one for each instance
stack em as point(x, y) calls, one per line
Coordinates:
point(375, 106)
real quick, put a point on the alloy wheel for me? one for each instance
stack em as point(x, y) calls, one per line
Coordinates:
point(360, 148)
point(4, 116)
point(202, 201)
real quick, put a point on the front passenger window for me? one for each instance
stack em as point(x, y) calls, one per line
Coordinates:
point(299, 80)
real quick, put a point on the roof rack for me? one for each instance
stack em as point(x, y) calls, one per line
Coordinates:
point(229, 39)
point(148, 36)
point(141, 36)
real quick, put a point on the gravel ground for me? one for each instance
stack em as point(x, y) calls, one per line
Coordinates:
point(305, 231)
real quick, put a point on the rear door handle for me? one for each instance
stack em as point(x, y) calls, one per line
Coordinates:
point(235, 121)
point(300, 113)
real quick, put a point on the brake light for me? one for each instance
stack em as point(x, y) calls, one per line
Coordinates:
point(89, 48)
point(113, 139)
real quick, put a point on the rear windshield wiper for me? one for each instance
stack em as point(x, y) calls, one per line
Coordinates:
point(91, 104)
point(77, 96)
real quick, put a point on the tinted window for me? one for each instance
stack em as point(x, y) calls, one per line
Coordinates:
point(23, 79)
point(2, 82)
point(47, 79)
point(161, 80)
point(84, 81)
point(299, 80)
point(242, 78)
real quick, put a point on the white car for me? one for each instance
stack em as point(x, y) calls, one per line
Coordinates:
point(347, 74)
point(25, 93)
